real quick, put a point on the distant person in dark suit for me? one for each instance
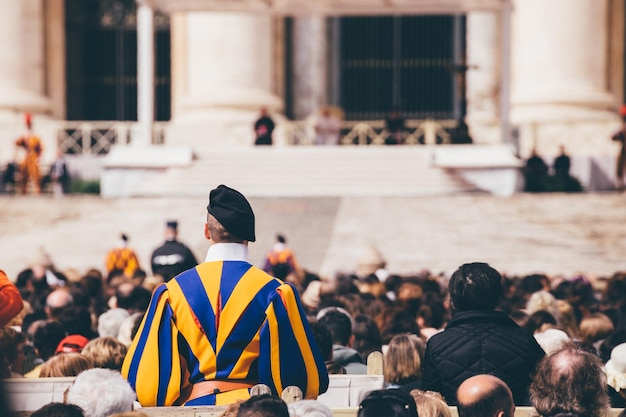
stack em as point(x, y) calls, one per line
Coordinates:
point(562, 180)
point(173, 257)
point(263, 128)
point(10, 177)
point(535, 174)
point(395, 129)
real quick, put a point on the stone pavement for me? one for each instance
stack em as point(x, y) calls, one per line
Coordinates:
point(554, 233)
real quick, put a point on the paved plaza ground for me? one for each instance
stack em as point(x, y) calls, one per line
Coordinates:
point(551, 233)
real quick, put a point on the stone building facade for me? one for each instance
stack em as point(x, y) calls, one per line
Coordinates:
point(540, 74)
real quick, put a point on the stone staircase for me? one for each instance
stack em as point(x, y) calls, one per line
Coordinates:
point(308, 171)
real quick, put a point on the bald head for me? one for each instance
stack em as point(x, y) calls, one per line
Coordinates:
point(484, 396)
point(570, 380)
point(57, 300)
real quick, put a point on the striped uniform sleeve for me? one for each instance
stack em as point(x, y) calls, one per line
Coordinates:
point(153, 365)
point(289, 355)
point(10, 300)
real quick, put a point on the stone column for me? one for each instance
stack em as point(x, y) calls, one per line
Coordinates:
point(228, 62)
point(559, 63)
point(309, 65)
point(222, 77)
point(145, 74)
point(22, 58)
point(483, 76)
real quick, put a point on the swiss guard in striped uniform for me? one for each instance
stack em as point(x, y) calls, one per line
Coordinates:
point(215, 330)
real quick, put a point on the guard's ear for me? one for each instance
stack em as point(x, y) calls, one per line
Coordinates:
point(207, 234)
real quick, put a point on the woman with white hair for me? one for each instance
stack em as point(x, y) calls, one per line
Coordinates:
point(615, 370)
point(101, 392)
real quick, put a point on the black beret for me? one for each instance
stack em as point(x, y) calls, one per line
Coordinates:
point(172, 224)
point(233, 211)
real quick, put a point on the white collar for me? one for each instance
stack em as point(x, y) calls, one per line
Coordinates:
point(227, 252)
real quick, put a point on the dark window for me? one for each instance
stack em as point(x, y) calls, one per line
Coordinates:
point(398, 62)
point(101, 39)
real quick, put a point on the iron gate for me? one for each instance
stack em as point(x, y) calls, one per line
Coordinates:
point(101, 57)
point(406, 63)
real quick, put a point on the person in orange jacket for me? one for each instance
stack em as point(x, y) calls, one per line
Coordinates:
point(29, 166)
point(10, 300)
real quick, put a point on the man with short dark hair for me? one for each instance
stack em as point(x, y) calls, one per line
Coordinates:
point(484, 396)
point(339, 324)
point(263, 406)
point(215, 330)
point(571, 383)
point(388, 403)
point(478, 339)
point(59, 410)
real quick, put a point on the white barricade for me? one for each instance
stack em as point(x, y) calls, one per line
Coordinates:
point(30, 394)
point(349, 390)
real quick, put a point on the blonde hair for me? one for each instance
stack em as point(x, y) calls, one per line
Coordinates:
point(403, 359)
point(543, 300)
point(430, 404)
point(151, 282)
point(567, 319)
point(595, 327)
point(105, 352)
point(65, 364)
point(19, 319)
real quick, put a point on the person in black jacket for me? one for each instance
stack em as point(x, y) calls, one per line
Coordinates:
point(173, 257)
point(478, 339)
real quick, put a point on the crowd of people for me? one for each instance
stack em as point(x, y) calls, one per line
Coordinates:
point(204, 336)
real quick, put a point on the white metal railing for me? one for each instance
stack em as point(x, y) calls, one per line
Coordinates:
point(97, 137)
point(579, 137)
point(373, 132)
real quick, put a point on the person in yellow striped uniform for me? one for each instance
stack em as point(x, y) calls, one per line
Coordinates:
point(215, 330)
point(122, 258)
point(32, 149)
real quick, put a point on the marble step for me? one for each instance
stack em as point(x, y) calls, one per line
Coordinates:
point(308, 171)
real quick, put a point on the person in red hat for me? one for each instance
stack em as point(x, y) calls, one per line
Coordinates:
point(29, 166)
point(73, 343)
point(620, 137)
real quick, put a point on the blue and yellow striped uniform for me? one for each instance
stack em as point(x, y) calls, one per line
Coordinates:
point(223, 320)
